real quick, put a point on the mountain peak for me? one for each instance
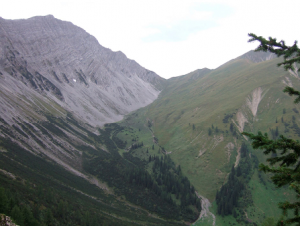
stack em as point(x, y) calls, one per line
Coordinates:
point(64, 63)
point(257, 57)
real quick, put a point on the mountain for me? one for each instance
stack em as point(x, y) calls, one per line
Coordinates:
point(235, 92)
point(60, 161)
point(53, 69)
point(177, 142)
point(44, 56)
point(197, 121)
point(257, 57)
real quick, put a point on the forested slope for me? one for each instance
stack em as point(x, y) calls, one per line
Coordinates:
point(198, 119)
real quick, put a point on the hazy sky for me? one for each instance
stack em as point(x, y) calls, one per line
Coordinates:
point(171, 37)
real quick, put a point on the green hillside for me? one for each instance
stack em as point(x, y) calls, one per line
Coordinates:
point(149, 168)
point(36, 191)
point(197, 121)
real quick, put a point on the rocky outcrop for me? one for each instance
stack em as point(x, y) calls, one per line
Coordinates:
point(253, 100)
point(257, 57)
point(44, 56)
point(6, 221)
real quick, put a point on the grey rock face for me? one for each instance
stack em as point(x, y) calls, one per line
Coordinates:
point(257, 57)
point(46, 58)
point(6, 221)
point(57, 83)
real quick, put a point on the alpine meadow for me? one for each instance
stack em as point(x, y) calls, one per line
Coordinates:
point(89, 137)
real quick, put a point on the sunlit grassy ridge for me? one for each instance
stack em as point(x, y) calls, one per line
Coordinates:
point(191, 104)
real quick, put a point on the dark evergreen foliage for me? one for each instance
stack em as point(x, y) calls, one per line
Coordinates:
point(167, 180)
point(209, 132)
point(129, 177)
point(227, 118)
point(109, 166)
point(43, 194)
point(283, 111)
point(120, 143)
point(230, 195)
point(137, 145)
point(295, 110)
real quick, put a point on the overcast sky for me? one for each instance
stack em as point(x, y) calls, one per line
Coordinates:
point(171, 37)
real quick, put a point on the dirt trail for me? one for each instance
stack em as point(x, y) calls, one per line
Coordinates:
point(205, 204)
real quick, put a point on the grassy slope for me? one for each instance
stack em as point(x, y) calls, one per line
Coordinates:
point(36, 171)
point(202, 98)
point(203, 103)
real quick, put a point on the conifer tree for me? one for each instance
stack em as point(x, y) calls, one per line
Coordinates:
point(17, 215)
point(3, 201)
point(231, 127)
point(285, 166)
point(209, 131)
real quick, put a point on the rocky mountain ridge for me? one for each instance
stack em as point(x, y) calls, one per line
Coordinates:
point(257, 57)
point(68, 66)
point(57, 84)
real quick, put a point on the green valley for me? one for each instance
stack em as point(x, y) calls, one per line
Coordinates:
point(148, 167)
point(197, 121)
point(89, 137)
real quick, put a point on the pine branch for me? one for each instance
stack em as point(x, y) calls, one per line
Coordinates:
point(291, 54)
point(292, 92)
